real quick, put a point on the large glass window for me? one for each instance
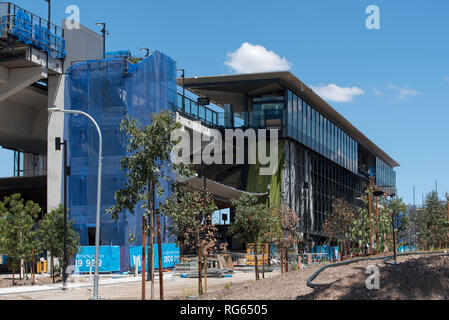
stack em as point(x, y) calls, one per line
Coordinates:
point(340, 147)
point(295, 117)
point(317, 122)
point(345, 144)
point(300, 120)
point(321, 135)
point(350, 155)
point(309, 126)
point(332, 141)
point(290, 112)
point(328, 145)
point(313, 128)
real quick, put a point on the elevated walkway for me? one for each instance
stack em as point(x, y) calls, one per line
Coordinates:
point(28, 41)
point(31, 50)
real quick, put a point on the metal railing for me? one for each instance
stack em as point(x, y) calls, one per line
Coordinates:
point(207, 116)
point(31, 30)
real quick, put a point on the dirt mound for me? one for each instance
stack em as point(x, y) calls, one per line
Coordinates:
point(424, 278)
point(414, 278)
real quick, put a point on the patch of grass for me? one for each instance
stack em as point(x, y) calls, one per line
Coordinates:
point(228, 285)
point(186, 293)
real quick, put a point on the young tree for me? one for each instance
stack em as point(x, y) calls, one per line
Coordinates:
point(51, 234)
point(252, 222)
point(190, 211)
point(339, 224)
point(432, 223)
point(17, 229)
point(146, 167)
point(285, 223)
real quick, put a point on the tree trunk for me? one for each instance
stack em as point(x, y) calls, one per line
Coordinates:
point(25, 270)
point(52, 267)
point(151, 249)
point(161, 269)
point(282, 258)
point(263, 263)
point(205, 274)
point(13, 272)
point(32, 266)
point(144, 236)
point(200, 278)
point(286, 260)
point(256, 263)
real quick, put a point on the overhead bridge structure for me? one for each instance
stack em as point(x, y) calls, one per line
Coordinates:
point(33, 59)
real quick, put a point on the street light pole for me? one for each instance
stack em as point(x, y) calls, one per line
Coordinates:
point(58, 145)
point(104, 32)
point(183, 89)
point(100, 160)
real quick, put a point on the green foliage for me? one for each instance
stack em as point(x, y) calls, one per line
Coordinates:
point(148, 162)
point(190, 211)
point(253, 221)
point(431, 223)
point(283, 228)
point(349, 224)
point(18, 235)
point(51, 234)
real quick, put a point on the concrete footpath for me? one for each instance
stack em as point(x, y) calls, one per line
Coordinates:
point(124, 288)
point(70, 285)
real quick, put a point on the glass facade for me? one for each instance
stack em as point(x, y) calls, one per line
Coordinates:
point(313, 129)
point(385, 175)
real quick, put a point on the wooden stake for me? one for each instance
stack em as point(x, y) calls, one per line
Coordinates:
point(370, 226)
point(200, 278)
point(205, 274)
point(256, 262)
point(282, 258)
point(53, 267)
point(32, 266)
point(161, 270)
point(143, 256)
point(263, 262)
point(286, 261)
point(13, 272)
point(377, 225)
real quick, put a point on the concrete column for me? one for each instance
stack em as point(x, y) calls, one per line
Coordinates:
point(54, 158)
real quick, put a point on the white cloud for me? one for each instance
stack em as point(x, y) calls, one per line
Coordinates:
point(334, 93)
point(378, 92)
point(403, 93)
point(256, 58)
point(446, 78)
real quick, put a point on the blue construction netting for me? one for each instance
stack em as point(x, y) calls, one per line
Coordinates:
point(32, 30)
point(108, 90)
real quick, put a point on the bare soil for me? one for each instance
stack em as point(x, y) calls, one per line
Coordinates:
point(414, 278)
point(6, 281)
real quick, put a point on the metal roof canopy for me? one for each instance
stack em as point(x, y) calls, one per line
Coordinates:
point(220, 191)
point(231, 89)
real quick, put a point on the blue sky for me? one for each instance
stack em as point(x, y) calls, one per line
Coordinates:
point(392, 83)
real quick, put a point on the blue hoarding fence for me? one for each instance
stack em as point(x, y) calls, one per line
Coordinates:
point(109, 259)
point(405, 249)
point(326, 253)
point(170, 256)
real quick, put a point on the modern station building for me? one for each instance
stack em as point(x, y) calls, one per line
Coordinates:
point(323, 156)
